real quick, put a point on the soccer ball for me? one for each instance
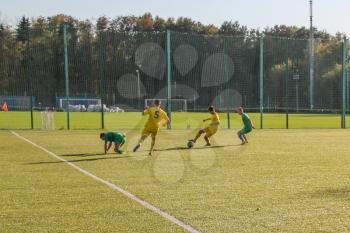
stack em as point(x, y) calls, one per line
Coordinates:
point(190, 144)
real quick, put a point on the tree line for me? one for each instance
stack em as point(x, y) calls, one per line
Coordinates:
point(34, 49)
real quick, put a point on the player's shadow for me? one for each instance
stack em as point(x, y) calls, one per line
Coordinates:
point(82, 154)
point(193, 148)
point(332, 193)
point(76, 160)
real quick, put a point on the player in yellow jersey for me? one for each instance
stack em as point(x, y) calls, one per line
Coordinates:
point(156, 116)
point(211, 129)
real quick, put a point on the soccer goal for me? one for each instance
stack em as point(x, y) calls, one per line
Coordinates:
point(177, 105)
point(17, 103)
point(77, 104)
point(47, 120)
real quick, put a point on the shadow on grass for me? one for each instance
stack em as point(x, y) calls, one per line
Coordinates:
point(120, 157)
point(194, 148)
point(332, 193)
point(77, 160)
point(83, 154)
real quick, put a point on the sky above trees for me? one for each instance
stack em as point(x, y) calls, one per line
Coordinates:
point(256, 14)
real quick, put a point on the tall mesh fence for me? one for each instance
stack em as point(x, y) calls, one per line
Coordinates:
point(134, 67)
point(14, 81)
point(84, 81)
point(110, 76)
point(46, 72)
point(216, 70)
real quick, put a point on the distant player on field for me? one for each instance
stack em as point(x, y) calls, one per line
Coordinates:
point(211, 129)
point(109, 138)
point(248, 126)
point(4, 107)
point(155, 116)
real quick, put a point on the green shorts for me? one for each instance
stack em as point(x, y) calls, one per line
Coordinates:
point(245, 131)
point(119, 139)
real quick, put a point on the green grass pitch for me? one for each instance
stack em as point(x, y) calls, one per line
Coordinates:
point(282, 181)
point(134, 120)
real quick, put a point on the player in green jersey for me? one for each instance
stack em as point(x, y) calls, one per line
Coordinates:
point(109, 138)
point(248, 126)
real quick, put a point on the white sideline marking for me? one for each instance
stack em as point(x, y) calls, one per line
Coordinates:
point(116, 187)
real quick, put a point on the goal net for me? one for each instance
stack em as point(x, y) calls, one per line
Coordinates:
point(17, 103)
point(177, 105)
point(77, 104)
point(47, 120)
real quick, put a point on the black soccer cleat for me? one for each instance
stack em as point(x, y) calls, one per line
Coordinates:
point(136, 148)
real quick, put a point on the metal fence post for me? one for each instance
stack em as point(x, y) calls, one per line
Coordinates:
point(102, 74)
point(286, 86)
point(168, 62)
point(30, 79)
point(227, 78)
point(66, 73)
point(261, 78)
point(228, 120)
point(343, 86)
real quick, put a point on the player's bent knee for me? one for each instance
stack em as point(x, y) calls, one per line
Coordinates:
point(201, 131)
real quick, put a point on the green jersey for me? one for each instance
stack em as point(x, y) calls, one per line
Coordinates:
point(114, 137)
point(246, 122)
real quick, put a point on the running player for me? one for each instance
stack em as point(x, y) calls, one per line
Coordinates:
point(248, 126)
point(211, 129)
point(109, 138)
point(156, 116)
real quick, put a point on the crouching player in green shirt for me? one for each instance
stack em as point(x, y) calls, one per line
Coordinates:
point(109, 138)
point(248, 126)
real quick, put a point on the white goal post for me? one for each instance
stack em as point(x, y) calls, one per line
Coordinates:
point(177, 105)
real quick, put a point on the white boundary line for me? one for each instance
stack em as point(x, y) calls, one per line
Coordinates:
point(115, 187)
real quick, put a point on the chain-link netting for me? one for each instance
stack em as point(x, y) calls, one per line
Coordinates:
point(84, 81)
point(110, 76)
point(14, 82)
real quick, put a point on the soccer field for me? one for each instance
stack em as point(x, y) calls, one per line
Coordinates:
point(282, 181)
point(180, 120)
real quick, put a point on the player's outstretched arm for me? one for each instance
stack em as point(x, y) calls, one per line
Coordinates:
point(107, 147)
point(251, 124)
point(145, 110)
point(207, 119)
point(167, 121)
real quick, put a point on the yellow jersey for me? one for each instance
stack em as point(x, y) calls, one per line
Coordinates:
point(155, 116)
point(214, 125)
point(215, 118)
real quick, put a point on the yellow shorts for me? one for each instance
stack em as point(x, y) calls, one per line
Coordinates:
point(148, 130)
point(210, 131)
